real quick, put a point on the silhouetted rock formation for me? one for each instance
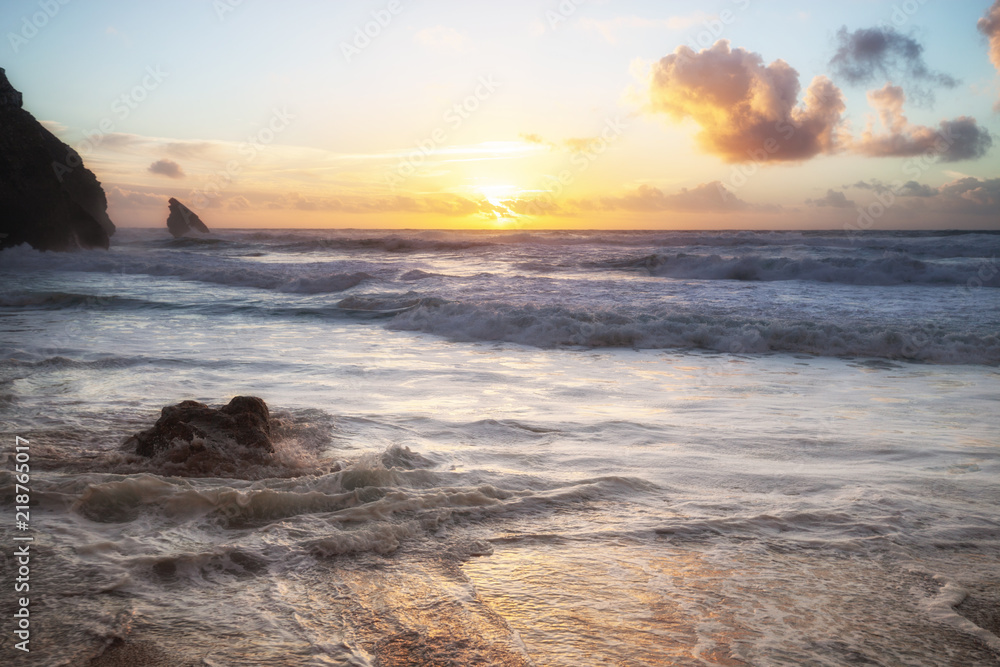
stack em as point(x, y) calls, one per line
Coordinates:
point(182, 220)
point(48, 199)
point(191, 428)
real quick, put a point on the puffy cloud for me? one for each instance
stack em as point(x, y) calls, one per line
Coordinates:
point(989, 25)
point(167, 168)
point(832, 199)
point(883, 53)
point(959, 139)
point(972, 195)
point(746, 110)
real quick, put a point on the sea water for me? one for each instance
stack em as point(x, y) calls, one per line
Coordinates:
point(512, 448)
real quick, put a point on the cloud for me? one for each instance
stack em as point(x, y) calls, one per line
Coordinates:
point(238, 203)
point(832, 199)
point(868, 54)
point(746, 110)
point(123, 197)
point(959, 139)
point(191, 149)
point(712, 196)
point(907, 189)
point(989, 25)
point(573, 144)
point(582, 144)
point(120, 140)
point(54, 126)
point(443, 39)
point(967, 195)
point(167, 168)
point(444, 204)
point(973, 195)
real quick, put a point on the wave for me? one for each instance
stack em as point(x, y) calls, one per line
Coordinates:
point(61, 363)
point(294, 278)
point(892, 269)
point(941, 244)
point(59, 300)
point(548, 327)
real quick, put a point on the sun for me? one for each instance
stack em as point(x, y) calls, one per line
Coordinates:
point(497, 194)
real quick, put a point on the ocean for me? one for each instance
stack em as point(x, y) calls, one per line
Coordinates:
point(511, 448)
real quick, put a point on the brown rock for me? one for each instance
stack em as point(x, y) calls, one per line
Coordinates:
point(194, 427)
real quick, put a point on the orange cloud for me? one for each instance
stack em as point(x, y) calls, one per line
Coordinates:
point(711, 196)
point(746, 110)
point(989, 25)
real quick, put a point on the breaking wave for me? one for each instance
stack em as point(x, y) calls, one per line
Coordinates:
point(559, 326)
point(892, 269)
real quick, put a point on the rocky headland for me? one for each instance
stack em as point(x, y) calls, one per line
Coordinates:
point(49, 199)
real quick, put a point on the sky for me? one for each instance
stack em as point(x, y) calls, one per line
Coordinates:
point(732, 114)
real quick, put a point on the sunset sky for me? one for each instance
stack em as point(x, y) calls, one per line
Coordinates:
point(524, 114)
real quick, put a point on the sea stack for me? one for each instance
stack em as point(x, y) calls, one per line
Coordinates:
point(48, 198)
point(182, 220)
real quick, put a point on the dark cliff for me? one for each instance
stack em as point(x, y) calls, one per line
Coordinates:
point(48, 199)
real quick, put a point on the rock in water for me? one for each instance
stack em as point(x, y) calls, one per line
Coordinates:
point(182, 220)
point(191, 428)
point(48, 199)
